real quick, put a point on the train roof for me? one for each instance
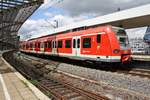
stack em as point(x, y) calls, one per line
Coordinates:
point(71, 30)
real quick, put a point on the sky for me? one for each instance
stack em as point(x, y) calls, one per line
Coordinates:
point(42, 22)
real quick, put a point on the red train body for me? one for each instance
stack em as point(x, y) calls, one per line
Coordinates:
point(101, 43)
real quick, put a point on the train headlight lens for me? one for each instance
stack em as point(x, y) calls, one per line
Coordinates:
point(116, 51)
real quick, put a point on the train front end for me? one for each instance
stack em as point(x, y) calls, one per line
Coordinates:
point(125, 50)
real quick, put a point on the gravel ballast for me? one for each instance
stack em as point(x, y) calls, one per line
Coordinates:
point(134, 83)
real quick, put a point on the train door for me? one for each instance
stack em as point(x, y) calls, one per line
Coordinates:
point(42, 47)
point(76, 46)
point(54, 49)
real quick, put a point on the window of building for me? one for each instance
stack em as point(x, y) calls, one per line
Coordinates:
point(87, 43)
point(99, 38)
point(68, 43)
point(60, 44)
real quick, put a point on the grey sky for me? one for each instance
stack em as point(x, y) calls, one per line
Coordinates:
point(98, 7)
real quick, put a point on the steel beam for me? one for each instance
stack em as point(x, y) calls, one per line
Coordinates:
point(13, 13)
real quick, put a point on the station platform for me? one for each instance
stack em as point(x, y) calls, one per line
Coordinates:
point(141, 57)
point(13, 86)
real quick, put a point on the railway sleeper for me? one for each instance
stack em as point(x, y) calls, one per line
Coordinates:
point(74, 96)
point(71, 95)
point(55, 87)
point(49, 82)
point(65, 92)
point(60, 89)
point(78, 98)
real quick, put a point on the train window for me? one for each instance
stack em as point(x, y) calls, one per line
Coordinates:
point(45, 44)
point(53, 44)
point(33, 45)
point(74, 43)
point(27, 46)
point(60, 44)
point(39, 45)
point(68, 43)
point(98, 38)
point(87, 43)
point(49, 44)
point(78, 43)
point(30, 45)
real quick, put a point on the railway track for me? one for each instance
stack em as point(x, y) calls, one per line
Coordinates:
point(66, 92)
point(140, 72)
point(130, 69)
point(55, 89)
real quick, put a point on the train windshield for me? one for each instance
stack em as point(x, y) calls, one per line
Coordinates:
point(122, 37)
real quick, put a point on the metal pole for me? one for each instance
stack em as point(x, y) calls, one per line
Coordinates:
point(2, 24)
point(56, 23)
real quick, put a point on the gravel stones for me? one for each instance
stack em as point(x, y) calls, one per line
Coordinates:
point(134, 83)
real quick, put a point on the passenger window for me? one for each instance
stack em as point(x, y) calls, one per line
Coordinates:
point(35, 45)
point(31, 45)
point(87, 43)
point(49, 44)
point(45, 44)
point(60, 44)
point(53, 44)
point(39, 45)
point(68, 43)
point(99, 38)
point(78, 43)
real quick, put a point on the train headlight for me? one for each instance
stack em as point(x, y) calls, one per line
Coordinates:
point(116, 51)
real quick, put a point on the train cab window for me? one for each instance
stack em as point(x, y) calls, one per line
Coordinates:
point(68, 43)
point(87, 43)
point(99, 38)
point(74, 43)
point(78, 43)
point(60, 44)
point(49, 44)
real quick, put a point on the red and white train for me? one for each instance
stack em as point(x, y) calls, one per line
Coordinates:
point(99, 43)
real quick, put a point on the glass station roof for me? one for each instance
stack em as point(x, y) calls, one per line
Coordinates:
point(13, 13)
